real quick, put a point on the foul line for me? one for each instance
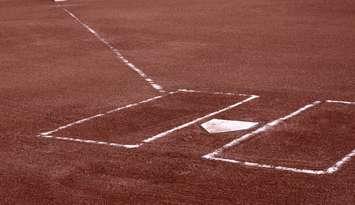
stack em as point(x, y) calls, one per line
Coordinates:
point(116, 52)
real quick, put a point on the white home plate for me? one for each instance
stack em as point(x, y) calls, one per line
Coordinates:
point(218, 125)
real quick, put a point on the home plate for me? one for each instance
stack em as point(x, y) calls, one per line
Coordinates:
point(218, 125)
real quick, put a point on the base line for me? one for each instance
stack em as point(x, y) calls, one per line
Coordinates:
point(116, 52)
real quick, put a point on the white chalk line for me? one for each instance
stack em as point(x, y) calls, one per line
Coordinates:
point(347, 157)
point(341, 162)
point(102, 114)
point(116, 52)
point(268, 126)
point(215, 93)
point(49, 133)
point(341, 102)
point(93, 142)
point(163, 134)
point(330, 170)
point(65, 5)
point(266, 166)
point(121, 108)
point(158, 136)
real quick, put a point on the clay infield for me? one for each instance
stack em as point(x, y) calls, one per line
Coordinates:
point(103, 101)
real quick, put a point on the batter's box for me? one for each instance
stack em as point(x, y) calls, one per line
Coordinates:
point(135, 124)
point(320, 140)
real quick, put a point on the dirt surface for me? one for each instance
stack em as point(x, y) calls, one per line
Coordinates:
point(290, 53)
point(314, 140)
point(140, 122)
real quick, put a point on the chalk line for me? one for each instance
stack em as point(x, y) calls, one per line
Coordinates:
point(265, 127)
point(347, 157)
point(214, 93)
point(49, 134)
point(163, 134)
point(341, 102)
point(102, 114)
point(330, 170)
point(268, 126)
point(93, 142)
point(341, 162)
point(267, 166)
point(116, 52)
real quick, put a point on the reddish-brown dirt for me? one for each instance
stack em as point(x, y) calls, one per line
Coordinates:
point(315, 140)
point(140, 122)
point(53, 72)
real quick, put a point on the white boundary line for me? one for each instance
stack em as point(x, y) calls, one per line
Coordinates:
point(341, 102)
point(163, 134)
point(116, 52)
point(92, 142)
point(330, 170)
point(50, 135)
point(103, 114)
point(65, 4)
point(215, 93)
